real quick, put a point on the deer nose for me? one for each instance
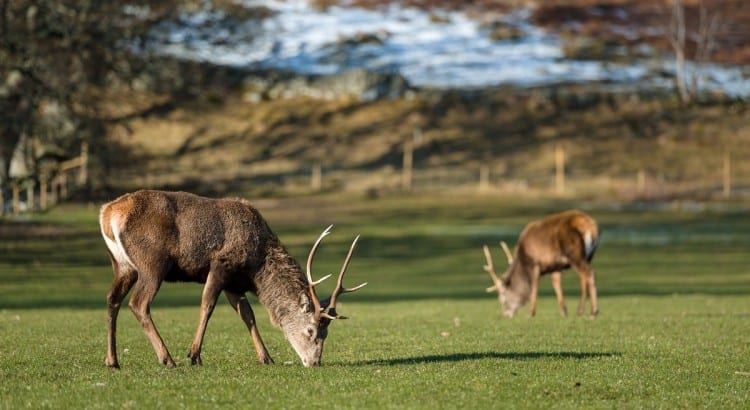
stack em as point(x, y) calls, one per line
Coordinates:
point(311, 362)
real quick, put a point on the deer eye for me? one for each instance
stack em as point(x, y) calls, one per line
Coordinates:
point(310, 332)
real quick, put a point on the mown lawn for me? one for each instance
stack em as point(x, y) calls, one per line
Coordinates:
point(673, 332)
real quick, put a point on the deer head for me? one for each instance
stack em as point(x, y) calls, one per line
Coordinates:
point(510, 301)
point(308, 331)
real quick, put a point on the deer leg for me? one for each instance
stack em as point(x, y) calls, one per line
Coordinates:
point(584, 283)
point(123, 282)
point(588, 282)
point(534, 291)
point(211, 292)
point(556, 284)
point(591, 282)
point(240, 304)
point(140, 303)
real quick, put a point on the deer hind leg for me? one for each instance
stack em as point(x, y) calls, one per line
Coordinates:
point(140, 304)
point(124, 280)
point(557, 285)
point(588, 285)
point(211, 292)
point(240, 304)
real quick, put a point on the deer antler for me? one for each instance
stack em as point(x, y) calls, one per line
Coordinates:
point(311, 282)
point(508, 254)
point(490, 268)
point(330, 302)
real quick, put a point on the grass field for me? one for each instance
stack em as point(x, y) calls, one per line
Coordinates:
point(673, 332)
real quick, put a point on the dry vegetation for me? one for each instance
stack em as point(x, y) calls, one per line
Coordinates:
point(235, 145)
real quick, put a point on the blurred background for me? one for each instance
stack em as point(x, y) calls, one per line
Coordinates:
point(623, 99)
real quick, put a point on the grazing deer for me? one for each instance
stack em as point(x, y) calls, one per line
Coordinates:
point(156, 236)
point(548, 245)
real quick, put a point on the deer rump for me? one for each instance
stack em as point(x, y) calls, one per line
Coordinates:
point(553, 243)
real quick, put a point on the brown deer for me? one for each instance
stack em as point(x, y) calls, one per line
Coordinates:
point(549, 245)
point(156, 236)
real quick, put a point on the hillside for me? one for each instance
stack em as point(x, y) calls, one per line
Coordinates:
point(228, 144)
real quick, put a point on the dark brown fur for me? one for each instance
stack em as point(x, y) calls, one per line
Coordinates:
point(224, 243)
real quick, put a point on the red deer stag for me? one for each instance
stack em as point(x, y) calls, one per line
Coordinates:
point(156, 236)
point(548, 245)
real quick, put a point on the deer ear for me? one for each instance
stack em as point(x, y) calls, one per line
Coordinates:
point(503, 284)
point(305, 305)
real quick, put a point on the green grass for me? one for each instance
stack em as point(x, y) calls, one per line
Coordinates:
point(673, 332)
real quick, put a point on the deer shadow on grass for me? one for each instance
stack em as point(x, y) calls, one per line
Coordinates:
point(460, 357)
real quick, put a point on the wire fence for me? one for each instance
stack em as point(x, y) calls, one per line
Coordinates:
point(722, 177)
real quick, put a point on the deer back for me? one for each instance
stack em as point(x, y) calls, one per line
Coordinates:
point(186, 231)
point(554, 242)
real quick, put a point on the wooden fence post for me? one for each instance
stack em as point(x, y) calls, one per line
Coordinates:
point(641, 181)
point(53, 192)
point(63, 186)
point(484, 178)
point(43, 194)
point(30, 197)
point(16, 200)
point(83, 172)
point(727, 175)
point(408, 164)
point(317, 177)
point(559, 170)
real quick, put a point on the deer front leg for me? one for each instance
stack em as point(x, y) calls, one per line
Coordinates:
point(211, 292)
point(534, 290)
point(240, 304)
point(556, 284)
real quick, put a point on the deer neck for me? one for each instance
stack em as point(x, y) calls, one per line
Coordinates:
point(519, 279)
point(280, 284)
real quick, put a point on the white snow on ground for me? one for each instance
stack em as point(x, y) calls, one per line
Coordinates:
point(450, 52)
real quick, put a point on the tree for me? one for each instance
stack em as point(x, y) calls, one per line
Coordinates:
point(58, 58)
point(700, 37)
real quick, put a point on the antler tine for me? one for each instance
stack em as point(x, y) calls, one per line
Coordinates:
point(331, 301)
point(311, 282)
point(508, 253)
point(489, 268)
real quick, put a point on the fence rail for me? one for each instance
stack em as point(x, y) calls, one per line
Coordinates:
point(38, 195)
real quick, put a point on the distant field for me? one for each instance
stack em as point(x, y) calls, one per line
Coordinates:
point(673, 332)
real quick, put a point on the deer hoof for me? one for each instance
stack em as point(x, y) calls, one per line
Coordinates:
point(112, 365)
point(265, 360)
point(169, 363)
point(195, 358)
